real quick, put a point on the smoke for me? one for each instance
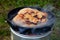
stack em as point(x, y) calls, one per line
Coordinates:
point(51, 18)
point(48, 7)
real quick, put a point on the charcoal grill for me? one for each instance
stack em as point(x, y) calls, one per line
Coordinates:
point(34, 31)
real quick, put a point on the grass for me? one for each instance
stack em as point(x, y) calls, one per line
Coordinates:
point(7, 5)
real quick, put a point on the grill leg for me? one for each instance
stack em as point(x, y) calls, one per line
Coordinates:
point(11, 36)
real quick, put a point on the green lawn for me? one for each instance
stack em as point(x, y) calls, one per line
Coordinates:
point(7, 5)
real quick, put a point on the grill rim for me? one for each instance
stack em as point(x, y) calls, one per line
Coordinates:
point(19, 8)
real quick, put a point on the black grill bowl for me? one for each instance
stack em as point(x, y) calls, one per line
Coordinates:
point(36, 30)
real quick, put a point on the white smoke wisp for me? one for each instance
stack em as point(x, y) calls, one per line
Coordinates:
point(48, 7)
